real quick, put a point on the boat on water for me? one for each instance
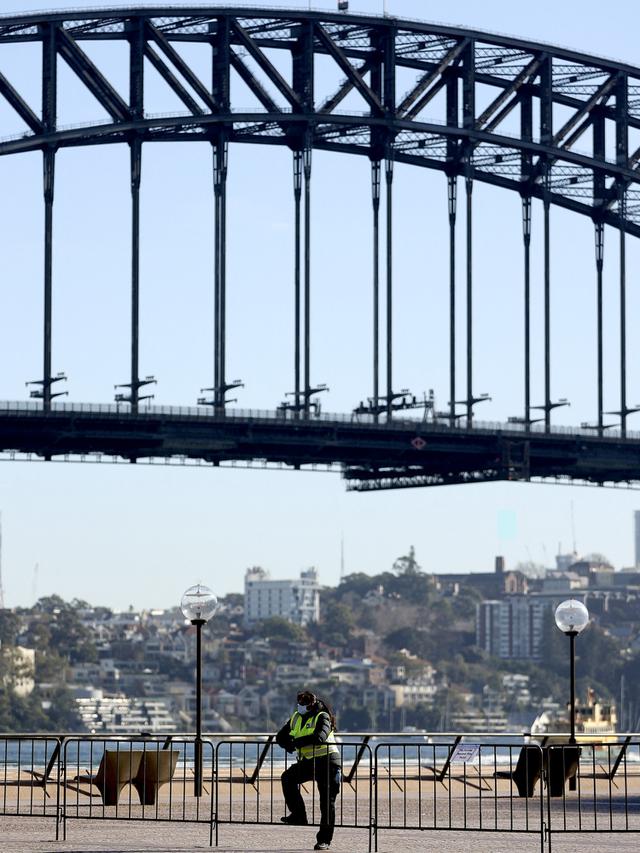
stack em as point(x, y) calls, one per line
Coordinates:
point(595, 721)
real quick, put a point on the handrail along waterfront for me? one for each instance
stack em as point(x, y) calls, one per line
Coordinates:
point(478, 782)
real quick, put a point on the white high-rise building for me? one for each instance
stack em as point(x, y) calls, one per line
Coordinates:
point(636, 520)
point(294, 600)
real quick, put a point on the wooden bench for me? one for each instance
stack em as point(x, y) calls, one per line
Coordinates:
point(145, 770)
point(527, 771)
point(561, 763)
point(156, 769)
point(556, 763)
point(116, 770)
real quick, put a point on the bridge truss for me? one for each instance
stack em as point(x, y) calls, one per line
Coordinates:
point(501, 110)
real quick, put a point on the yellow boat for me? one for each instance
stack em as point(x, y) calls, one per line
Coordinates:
point(596, 722)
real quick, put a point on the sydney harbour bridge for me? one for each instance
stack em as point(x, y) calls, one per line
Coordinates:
point(510, 113)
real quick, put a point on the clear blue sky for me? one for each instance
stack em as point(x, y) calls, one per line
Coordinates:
point(139, 535)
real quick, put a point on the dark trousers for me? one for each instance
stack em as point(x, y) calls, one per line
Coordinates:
point(326, 774)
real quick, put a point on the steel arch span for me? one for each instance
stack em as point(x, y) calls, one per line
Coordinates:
point(479, 107)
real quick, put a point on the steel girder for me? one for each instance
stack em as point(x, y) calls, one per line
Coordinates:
point(371, 455)
point(476, 104)
point(483, 107)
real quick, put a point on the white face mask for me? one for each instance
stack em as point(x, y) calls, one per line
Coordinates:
point(302, 709)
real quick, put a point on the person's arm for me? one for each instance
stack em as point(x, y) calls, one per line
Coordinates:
point(284, 739)
point(319, 734)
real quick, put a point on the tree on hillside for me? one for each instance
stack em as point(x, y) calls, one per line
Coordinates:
point(463, 605)
point(554, 651)
point(233, 599)
point(277, 628)
point(337, 624)
point(358, 583)
point(405, 638)
point(356, 719)
point(70, 636)
point(50, 604)
point(9, 627)
point(598, 559)
point(50, 666)
point(407, 565)
point(425, 717)
point(599, 660)
point(62, 713)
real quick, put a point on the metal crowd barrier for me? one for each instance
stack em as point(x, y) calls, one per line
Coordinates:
point(445, 786)
point(509, 784)
point(606, 791)
point(29, 775)
point(138, 779)
point(476, 783)
point(248, 785)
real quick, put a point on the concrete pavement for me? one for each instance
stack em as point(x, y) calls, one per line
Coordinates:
point(36, 835)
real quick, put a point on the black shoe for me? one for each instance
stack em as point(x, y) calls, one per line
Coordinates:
point(321, 845)
point(294, 820)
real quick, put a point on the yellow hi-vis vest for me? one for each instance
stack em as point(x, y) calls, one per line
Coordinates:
point(298, 729)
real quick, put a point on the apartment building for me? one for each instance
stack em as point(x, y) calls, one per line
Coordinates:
point(511, 627)
point(296, 601)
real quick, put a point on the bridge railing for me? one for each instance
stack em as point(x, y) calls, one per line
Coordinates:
point(35, 408)
point(472, 783)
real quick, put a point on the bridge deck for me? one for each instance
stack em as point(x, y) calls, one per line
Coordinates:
point(370, 454)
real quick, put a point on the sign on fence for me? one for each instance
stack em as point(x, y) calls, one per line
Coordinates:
point(465, 753)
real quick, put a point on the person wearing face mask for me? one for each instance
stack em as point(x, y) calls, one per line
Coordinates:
point(310, 732)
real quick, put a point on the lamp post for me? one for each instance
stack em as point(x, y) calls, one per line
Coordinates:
point(198, 605)
point(572, 617)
